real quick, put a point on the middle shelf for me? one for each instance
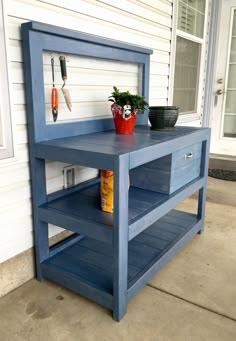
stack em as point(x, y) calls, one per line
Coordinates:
point(80, 211)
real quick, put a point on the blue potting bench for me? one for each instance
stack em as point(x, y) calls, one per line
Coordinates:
point(110, 257)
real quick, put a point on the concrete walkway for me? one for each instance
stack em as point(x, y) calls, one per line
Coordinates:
point(192, 298)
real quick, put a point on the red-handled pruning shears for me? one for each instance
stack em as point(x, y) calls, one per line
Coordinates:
point(54, 95)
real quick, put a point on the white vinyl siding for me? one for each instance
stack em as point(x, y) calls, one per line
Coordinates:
point(145, 23)
point(89, 81)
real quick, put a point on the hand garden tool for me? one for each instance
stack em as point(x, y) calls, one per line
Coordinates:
point(54, 95)
point(65, 91)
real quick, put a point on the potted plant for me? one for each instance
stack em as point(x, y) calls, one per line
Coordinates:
point(125, 108)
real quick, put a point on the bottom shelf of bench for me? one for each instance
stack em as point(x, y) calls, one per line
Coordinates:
point(86, 266)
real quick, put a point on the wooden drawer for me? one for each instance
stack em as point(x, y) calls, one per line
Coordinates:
point(169, 173)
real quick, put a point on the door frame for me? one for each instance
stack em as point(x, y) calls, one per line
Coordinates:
point(213, 43)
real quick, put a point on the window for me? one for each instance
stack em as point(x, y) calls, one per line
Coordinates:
point(190, 42)
point(6, 145)
point(191, 16)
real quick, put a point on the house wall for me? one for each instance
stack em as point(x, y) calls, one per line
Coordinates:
point(146, 23)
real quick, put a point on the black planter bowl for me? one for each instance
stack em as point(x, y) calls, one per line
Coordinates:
point(163, 118)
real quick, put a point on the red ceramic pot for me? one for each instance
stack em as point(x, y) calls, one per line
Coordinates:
point(122, 125)
point(125, 126)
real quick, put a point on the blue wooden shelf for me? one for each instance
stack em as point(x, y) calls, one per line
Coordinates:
point(80, 211)
point(99, 149)
point(87, 265)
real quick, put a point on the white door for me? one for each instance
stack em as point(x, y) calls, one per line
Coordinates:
point(224, 117)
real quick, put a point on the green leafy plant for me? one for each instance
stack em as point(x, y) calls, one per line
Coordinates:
point(126, 98)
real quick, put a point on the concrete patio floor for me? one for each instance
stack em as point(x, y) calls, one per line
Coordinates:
point(192, 298)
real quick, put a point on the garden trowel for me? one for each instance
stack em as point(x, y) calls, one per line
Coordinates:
point(64, 90)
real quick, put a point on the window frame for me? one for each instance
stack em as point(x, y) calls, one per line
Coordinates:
point(6, 142)
point(198, 115)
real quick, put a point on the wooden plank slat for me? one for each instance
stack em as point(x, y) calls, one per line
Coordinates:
point(156, 212)
point(144, 196)
point(75, 157)
point(151, 153)
point(177, 215)
point(86, 271)
point(76, 224)
point(162, 232)
point(156, 143)
point(150, 240)
point(137, 257)
point(65, 243)
point(61, 276)
point(137, 283)
point(165, 226)
point(102, 263)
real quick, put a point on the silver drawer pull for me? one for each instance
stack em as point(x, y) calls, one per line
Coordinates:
point(188, 156)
